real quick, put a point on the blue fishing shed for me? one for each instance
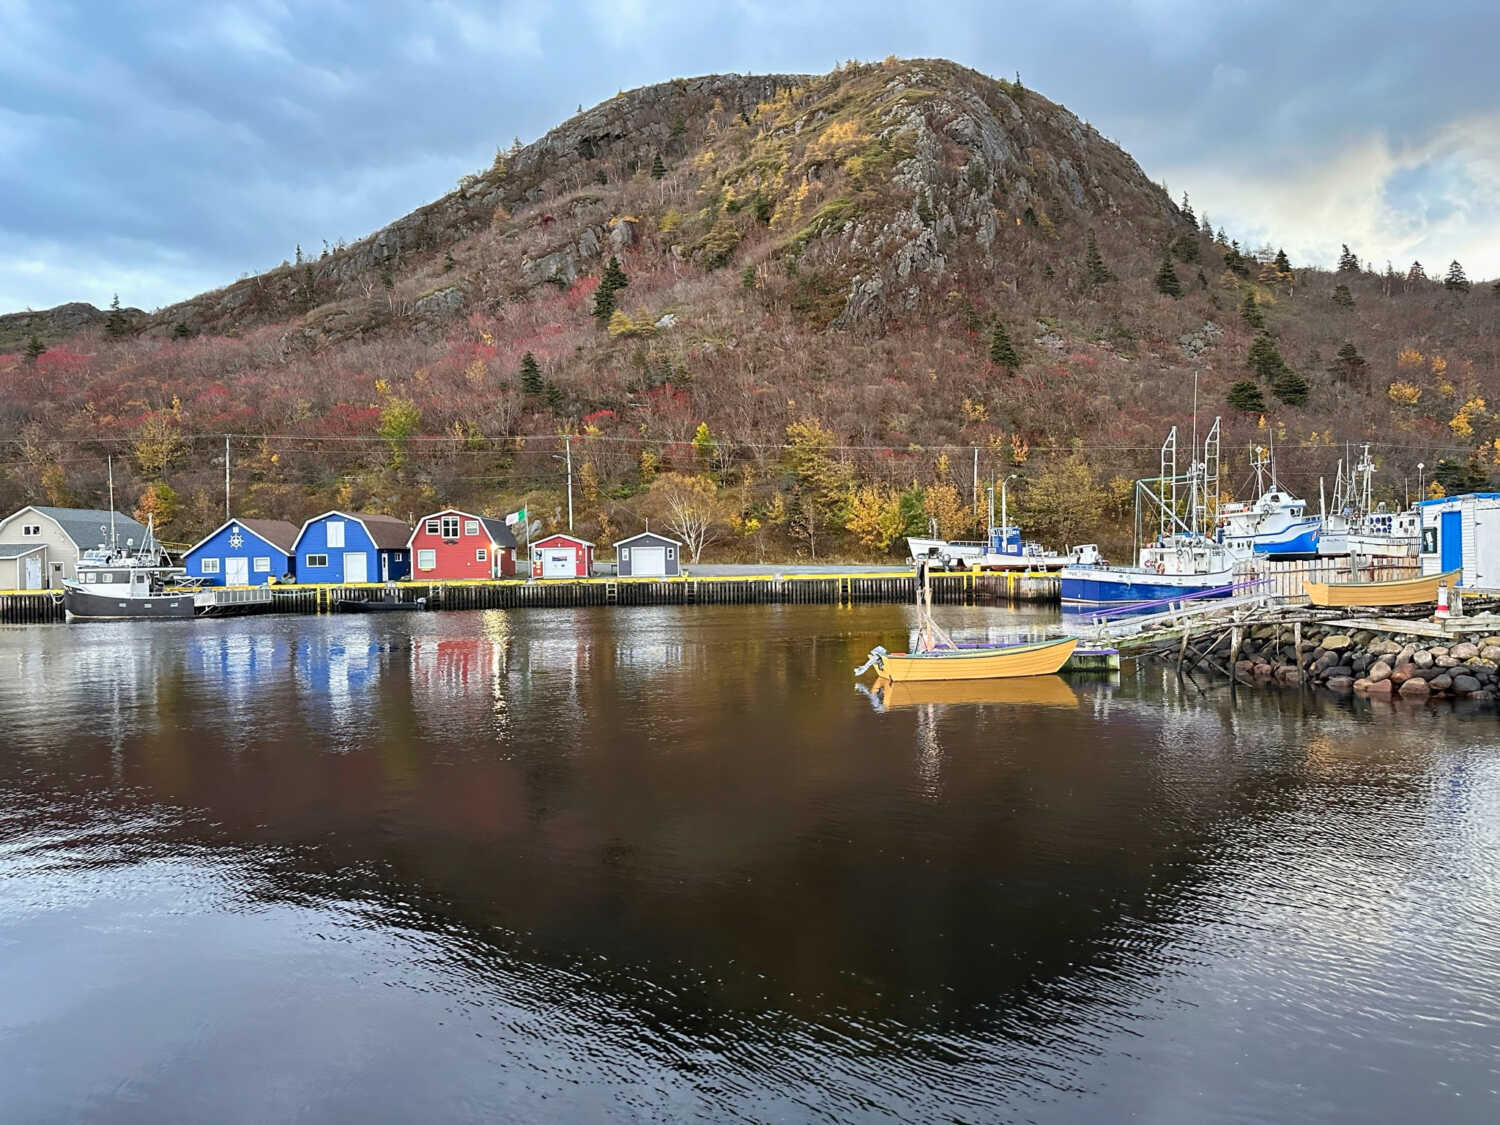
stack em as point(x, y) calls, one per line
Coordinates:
point(340, 547)
point(244, 553)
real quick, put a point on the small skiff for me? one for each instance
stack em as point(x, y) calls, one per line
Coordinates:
point(1035, 658)
point(1046, 691)
point(1400, 591)
point(379, 605)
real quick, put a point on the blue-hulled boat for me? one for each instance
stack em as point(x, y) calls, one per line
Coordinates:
point(1177, 567)
point(1274, 523)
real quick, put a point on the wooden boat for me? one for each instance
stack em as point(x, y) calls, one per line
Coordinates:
point(1400, 591)
point(938, 658)
point(378, 605)
point(1046, 691)
point(1035, 658)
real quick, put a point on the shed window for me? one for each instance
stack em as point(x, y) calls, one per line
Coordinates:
point(1429, 540)
point(624, 554)
point(427, 559)
point(317, 560)
point(262, 564)
point(471, 527)
point(480, 554)
point(450, 527)
point(335, 533)
point(434, 527)
point(671, 552)
point(31, 529)
point(210, 566)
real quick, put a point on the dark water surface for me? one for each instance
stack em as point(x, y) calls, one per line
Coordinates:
point(668, 864)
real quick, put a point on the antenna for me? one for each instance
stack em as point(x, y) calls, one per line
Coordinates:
point(111, 463)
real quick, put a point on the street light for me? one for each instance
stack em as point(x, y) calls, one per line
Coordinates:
point(1420, 492)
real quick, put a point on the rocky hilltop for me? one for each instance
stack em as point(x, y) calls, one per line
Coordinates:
point(830, 293)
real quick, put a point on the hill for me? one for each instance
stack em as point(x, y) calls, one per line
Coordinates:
point(842, 292)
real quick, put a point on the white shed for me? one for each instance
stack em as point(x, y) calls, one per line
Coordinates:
point(1463, 533)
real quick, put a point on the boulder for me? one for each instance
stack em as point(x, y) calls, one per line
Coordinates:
point(1464, 651)
point(1400, 675)
point(1289, 675)
point(1243, 667)
point(1422, 658)
point(1441, 682)
point(1405, 653)
point(1488, 642)
point(1262, 669)
point(1490, 653)
point(1379, 671)
point(1464, 685)
point(1340, 683)
point(1438, 650)
point(1445, 661)
point(1480, 662)
point(1415, 688)
point(1336, 642)
point(1341, 671)
point(1372, 688)
point(1361, 663)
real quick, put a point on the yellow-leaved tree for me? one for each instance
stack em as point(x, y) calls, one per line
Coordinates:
point(690, 508)
point(875, 517)
point(1062, 504)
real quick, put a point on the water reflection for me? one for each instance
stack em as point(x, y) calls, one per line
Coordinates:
point(667, 863)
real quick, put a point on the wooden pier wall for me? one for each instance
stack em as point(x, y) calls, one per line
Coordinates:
point(967, 588)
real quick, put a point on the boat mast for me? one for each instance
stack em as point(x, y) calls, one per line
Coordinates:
point(112, 538)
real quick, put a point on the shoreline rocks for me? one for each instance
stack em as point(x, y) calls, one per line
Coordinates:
point(1379, 665)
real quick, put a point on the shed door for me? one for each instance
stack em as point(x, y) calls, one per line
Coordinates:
point(648, 561)
point(1451, 542)
point(236, 572)
point(356, 566)
point(559, 562)
point(33, 580)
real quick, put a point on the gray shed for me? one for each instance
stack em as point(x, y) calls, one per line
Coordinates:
point(648, 555)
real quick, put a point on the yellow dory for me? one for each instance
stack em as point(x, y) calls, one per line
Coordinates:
point(1399, 591)
point(1036, 658)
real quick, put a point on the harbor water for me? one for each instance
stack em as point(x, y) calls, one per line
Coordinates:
point(667, 863)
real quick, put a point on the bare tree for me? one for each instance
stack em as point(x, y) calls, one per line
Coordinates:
point(691, 508)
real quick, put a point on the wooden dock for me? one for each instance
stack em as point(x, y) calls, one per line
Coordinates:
point(771, 588)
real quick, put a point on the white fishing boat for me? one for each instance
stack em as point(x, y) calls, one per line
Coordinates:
point(1180, 561)
point(1274, 523)
point(1375, 529)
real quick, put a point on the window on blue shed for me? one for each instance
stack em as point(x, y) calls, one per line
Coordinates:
point(262, 564)
point(210, 566)
point(335, 533)
point(317, 560)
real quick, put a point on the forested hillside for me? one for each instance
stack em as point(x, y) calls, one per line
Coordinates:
point(796, 307)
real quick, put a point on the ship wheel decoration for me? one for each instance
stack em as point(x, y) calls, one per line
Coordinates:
point(236, 540)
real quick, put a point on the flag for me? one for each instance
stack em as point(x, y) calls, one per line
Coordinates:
point(515, 518)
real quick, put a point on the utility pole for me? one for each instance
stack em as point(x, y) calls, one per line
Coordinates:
point(568, 454)
point(227, 516)
point(975, 491)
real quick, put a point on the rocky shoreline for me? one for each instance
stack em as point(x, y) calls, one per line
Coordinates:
point(1375, 664)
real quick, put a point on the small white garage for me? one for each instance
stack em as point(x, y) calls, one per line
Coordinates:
point(23, 566)
point(648, 555)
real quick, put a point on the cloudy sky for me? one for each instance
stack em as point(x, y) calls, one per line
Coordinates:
point(160, 149)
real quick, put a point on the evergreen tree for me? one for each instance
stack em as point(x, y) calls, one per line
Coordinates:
point(1349, 366)
point(1290, 387)
point(1002, 352)
point(554, 397)
point(1185, 247)
point(1093, 263)
point(1206, 227)
point(1221, 238)
point(34, 349)
point(610, 282)
point(181, 331)
point(1250, 311)
point(1456, 281)
point(1245, 395)
point(115, 325)
point(658, 169)
point(298, 260)
point(1265, 360)
point(747, 278)
point(1235, 262)
point(1416, 272)
point(1166, 280)
point(1283, 263)
point(1348, 261)
point(1496, 288)
point(1187, 211)
point(1342, 296)
point(531, 375)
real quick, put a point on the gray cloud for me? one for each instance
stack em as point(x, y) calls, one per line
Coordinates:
point(158, 150)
